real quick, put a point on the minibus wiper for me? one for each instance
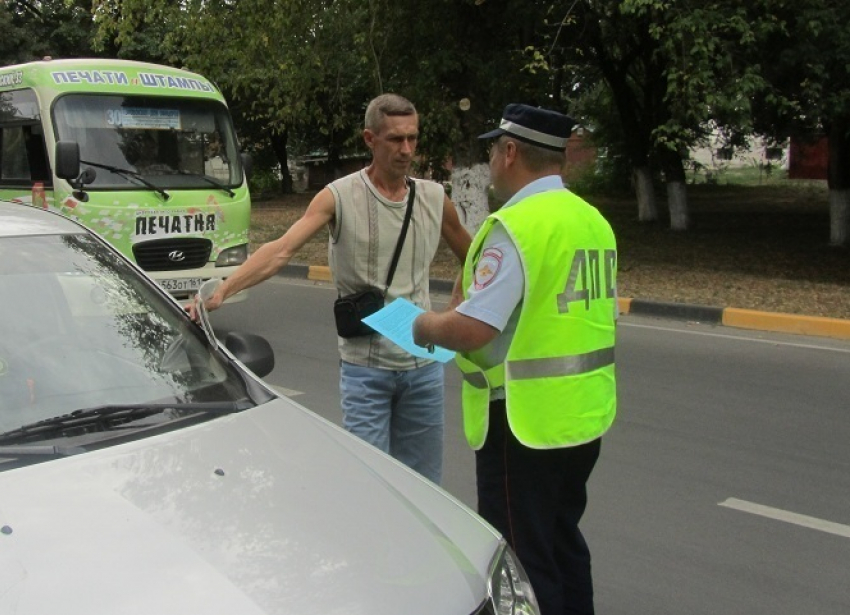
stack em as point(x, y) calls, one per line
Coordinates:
point(131, 174)
point(209, 180)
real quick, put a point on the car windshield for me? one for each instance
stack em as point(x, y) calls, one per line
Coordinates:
point(171, 142)
point(81, 330)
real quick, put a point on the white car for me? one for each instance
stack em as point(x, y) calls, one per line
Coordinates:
point(144, 469)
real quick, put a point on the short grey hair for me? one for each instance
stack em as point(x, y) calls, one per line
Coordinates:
point(386, 105)
point(537, 159)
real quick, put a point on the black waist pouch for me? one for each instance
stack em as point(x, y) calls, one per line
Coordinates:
point(351, 309)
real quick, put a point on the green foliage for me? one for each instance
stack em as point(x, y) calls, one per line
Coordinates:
point(610, 176)
point(33, 30)
point(307, 68)
point(806, 60)
point(264, 181)
point(697, 45)
point(650, 77)
point(288, 67)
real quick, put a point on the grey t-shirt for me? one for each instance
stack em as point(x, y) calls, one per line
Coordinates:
point(363, 238)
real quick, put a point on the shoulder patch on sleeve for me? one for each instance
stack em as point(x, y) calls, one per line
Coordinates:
point(488, 267)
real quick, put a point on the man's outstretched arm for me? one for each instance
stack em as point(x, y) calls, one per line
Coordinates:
point(274, 255)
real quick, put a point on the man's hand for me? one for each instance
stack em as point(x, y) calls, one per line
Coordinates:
point(215, 300)
point(211, 293)
point(191, 308)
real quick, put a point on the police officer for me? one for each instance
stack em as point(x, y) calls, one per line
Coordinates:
point(534, 332)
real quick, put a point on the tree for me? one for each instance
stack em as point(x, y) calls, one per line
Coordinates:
point(461, 62)
point(668, 71)
point(33, 30)
point(301, 71)
point(698, 43)
point(625, 55)
point(806, 59)
point(285, 65)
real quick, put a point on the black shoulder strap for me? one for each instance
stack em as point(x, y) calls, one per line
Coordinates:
point(410, 196)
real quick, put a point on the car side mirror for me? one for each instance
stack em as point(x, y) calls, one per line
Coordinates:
point(252, 350)
point(67, 160)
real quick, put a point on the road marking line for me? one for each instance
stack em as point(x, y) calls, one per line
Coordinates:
point(788, 517)
point(740, 338)
point(287, 392)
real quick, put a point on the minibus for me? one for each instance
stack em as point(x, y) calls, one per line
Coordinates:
point(143, 154)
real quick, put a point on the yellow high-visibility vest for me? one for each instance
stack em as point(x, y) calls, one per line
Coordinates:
point(558, 375)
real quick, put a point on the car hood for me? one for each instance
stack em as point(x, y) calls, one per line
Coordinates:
point(273, 510)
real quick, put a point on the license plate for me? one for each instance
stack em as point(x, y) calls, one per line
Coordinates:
point(181, 284)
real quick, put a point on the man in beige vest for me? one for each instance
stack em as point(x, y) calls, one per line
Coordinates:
point(389, 398)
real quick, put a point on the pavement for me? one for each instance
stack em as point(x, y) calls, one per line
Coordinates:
point(818, 326)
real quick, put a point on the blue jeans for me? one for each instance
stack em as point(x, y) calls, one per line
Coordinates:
point(399, 412)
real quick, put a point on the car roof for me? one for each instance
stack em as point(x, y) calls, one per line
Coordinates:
point(18, 219)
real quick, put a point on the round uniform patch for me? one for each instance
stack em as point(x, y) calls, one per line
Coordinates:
point(488, 266)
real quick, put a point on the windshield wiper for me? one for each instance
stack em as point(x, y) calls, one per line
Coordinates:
point(105, 418)
point(208, 179)
point(40, 450)
point(129, 174)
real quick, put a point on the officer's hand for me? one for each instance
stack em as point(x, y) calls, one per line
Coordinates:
point(418, 337)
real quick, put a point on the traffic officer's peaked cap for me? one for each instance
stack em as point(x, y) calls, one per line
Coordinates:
point(534, 125)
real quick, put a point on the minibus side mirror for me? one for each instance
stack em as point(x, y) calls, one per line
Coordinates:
point(247, 163)
point(68, 160)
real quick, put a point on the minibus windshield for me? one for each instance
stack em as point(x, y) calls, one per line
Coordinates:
point(175, 143)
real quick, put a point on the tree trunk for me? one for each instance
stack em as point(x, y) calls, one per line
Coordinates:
point(838, 179)
point(470, 182)
point(677, 201)
point(647, 209)
point(470, 190)
point(278, 143)
point(677, 193)
point(839, 216)
point(334, 160)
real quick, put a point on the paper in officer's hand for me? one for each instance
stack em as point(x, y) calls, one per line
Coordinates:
point(395, 322)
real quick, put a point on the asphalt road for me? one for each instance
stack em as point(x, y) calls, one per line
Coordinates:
point(723, 487)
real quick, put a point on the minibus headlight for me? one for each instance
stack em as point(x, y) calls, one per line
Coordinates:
point(232, 256)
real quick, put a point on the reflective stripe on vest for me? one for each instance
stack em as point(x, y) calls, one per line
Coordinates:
point(548, 368)
point(561, 366)
point(476, 379)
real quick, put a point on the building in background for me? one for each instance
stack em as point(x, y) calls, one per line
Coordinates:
point(808, 158)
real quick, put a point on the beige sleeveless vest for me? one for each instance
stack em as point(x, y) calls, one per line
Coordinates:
point(362, 241)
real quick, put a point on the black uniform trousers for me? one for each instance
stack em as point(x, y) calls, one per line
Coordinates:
point(536, 498)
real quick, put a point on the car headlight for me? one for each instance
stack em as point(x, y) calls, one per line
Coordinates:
point(232, 256)
point(509, 588)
